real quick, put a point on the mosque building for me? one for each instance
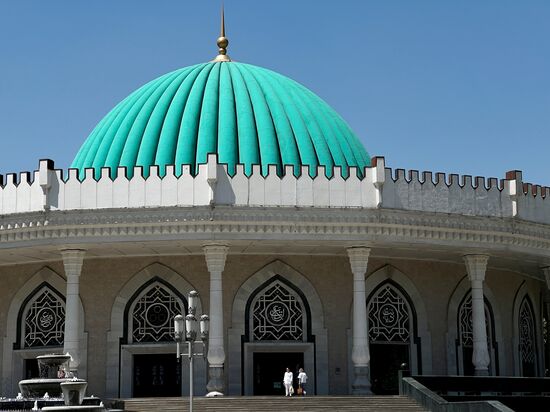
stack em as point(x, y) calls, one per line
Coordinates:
point(240, 183)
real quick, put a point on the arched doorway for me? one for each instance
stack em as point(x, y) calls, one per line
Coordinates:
point(277, 334)
point(243, 345)
point(129, 343)
point(391, 323)
point(149, 318)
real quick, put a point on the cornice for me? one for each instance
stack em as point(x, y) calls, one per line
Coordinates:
point(378, 226)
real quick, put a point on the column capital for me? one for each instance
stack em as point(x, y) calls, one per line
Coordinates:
point(215, 255)
point(73, 260)
point(358, 258)
point(476, 266)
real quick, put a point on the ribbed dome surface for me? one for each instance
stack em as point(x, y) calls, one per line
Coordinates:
point(244, 113)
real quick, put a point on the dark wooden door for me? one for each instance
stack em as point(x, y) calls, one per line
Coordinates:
point(156, 375)
point(385, 361)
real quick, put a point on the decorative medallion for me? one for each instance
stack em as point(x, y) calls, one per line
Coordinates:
point(277, 314)
point(389, 317)
point(152, 315)
point(44, 321)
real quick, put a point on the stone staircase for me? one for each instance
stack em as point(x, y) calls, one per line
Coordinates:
point(274, 404)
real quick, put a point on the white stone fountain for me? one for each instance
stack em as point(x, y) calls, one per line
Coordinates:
point(49, 380)
point(54, 382)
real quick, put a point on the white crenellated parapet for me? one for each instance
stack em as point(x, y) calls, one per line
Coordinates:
point(532, 201)
point(50, 190)
point(445, 194)
point(376, 187)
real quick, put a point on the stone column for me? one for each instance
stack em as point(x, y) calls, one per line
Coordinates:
point(476, 266)
point(546, 271)
point(215, 261)
point(358, 259)
point(72, 261)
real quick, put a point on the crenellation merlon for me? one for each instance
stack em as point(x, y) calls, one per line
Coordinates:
point(467, 181)
point(73, 175)
point(414, 176)
point(427, 177)
point(12, 179)
point(440, 178)
point(399, 175)
point(454, 179)
point(494, 183)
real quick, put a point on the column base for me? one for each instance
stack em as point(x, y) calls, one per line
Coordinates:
point(481, 372)
point(215, 380)
point(361, 384)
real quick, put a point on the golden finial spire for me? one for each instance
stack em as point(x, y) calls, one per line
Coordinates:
point(223, 42)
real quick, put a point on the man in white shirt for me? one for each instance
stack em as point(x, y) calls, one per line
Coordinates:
point(287, 381)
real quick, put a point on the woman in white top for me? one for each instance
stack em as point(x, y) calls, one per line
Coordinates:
point(287, 381)
point(302, 380)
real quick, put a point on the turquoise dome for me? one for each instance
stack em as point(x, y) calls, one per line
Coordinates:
point(243, 113)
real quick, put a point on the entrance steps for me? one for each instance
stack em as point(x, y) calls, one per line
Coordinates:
point(274, 404)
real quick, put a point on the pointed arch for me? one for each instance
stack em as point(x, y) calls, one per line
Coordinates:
point(278, 293)
point(391, 314)
point(237, 358)
point(457, 299)
point(51, 303)
point(12, 360)
point(422, 344)
point(527, 361)
point(119, 352)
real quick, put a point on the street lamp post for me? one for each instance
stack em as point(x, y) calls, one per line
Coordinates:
point(188, 331)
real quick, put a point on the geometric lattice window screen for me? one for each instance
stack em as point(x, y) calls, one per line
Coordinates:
point(153, 313)
point(526, 333)
point(389, 318)
point(44, 320)
point(277, 314)
point(465, 324)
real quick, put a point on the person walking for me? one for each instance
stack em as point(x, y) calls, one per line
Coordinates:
point(287, 381)
point(302, 381)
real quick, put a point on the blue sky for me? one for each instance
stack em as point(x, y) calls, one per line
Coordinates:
point(452, 86)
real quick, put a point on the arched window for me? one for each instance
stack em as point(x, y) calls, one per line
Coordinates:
point(465, 340)
point(152, 311)
point(42, 319)
point(391, 323)
point(527, 342)
point(389, 317)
